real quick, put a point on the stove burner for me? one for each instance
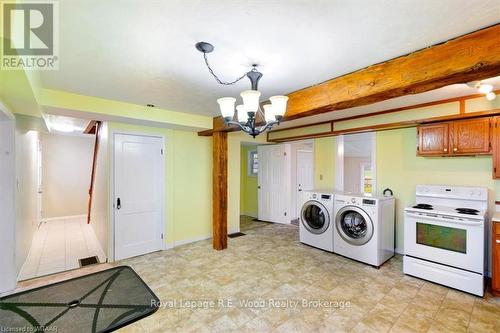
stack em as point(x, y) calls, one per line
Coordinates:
point(424, 206)
point(467, 211)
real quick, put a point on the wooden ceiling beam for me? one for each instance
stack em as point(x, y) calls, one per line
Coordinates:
point(471, 57)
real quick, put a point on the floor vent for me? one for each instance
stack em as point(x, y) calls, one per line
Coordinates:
point(88, 261)
point(236, 234)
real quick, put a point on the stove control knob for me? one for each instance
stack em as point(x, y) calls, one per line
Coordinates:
point(353, 200)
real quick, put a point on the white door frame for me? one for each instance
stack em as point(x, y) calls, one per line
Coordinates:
point(111, 235)
point(296, 147)
point(8, 277)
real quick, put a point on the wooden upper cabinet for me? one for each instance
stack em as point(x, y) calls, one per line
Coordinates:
point(496, 156)
point(470, 136)
point(455, 138)
point(433, 139)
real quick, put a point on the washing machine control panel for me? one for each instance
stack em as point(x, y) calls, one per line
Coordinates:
point(362, 202)
point(321, 197)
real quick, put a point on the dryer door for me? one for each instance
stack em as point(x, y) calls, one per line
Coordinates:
point(354, 225)
point(314, 217)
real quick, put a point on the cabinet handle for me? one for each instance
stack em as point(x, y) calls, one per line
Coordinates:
point(497, 241)
point(455, 149)
point(445, 150)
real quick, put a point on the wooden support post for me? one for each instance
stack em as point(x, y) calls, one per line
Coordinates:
point(219, 190)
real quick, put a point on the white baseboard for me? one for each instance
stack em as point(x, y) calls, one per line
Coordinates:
point(399, 251)
point(58, 218)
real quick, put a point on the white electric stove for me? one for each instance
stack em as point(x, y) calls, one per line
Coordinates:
point(445, 236)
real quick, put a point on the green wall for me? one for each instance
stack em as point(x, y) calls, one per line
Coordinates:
point(248, 185)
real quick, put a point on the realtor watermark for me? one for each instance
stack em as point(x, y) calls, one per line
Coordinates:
point(29, 329)
point(30, 35)
point(277, 303)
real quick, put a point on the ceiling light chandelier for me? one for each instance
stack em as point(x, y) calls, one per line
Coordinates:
point(246, 113)
point(483, 88)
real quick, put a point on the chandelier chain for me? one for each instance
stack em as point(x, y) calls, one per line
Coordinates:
point(217, 78)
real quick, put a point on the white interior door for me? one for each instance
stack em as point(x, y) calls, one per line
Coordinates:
point(272, 183)
point(304, 176)
point(138, 195)
point(262, 178)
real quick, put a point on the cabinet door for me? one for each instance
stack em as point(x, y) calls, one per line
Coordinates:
point(495, 140)
point(433, 139)
point(495, 269)
point(471, 136)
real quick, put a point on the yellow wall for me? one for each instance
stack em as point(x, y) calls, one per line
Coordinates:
point(188, 186)
point(324, 163)
point(248, 185)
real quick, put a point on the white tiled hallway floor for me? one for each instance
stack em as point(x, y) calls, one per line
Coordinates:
point(57, 245)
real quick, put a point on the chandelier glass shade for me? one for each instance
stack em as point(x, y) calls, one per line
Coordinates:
point(249, 116)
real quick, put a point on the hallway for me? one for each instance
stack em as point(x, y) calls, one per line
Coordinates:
point(58, 244)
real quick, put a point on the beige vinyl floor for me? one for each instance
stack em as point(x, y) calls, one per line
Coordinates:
point(267, 281)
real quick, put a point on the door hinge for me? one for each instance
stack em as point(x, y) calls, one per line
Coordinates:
point(285, 213)
point(162, 236)
point(161, 151)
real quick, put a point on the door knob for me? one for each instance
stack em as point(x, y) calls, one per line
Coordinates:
point(118, 203)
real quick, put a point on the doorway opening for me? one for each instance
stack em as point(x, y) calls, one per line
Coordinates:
point(249, 172)
point(55, 170)
point(356, 164)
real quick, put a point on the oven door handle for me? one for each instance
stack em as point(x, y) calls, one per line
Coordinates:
point(436, 218)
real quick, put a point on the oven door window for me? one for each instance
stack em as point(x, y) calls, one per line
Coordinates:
point(446, 238)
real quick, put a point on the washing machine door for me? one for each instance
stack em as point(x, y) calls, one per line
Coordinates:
point(354, 225)
point(315, 217)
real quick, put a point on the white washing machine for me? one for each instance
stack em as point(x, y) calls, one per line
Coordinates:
point(364, 227)
point(316, 219)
